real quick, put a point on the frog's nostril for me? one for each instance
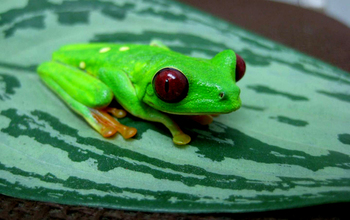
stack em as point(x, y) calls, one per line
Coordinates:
point(221, 95)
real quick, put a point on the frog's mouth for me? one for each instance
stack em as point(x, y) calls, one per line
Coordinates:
point(206, 108)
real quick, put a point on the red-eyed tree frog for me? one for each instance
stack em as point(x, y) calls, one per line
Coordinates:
point(149, 81)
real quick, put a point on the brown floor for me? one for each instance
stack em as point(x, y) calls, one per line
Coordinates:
point(13, 208)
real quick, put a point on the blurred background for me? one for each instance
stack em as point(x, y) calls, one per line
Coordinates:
point(319, 28)
point(338, 9)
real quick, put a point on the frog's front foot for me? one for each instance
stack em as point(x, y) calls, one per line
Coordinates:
point(181, 139)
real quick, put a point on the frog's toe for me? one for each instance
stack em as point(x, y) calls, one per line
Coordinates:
point(108, 126)
point(107, 131)
point(128, 132)
point(181, 139)
point(118, 113)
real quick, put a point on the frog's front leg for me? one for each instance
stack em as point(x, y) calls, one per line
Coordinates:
point(125, 94)
point(87, 96)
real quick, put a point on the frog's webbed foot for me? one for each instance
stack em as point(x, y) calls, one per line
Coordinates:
point(107, 126)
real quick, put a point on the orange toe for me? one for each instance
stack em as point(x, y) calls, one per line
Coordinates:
point(108, 131)
point(128, 132)
point(118, 113)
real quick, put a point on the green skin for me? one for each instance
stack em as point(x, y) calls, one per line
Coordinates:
point(88, 76)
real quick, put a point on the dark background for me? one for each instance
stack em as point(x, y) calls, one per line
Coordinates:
point(305, 30)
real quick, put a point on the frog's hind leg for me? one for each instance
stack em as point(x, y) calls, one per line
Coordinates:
point(87, 96)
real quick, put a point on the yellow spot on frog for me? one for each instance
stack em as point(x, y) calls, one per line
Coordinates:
point(124, 48)
point(82, 65)
point(105, 49)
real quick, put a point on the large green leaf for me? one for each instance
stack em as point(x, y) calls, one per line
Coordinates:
point(288, 146)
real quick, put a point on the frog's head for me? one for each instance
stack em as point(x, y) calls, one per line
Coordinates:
point(186, 85)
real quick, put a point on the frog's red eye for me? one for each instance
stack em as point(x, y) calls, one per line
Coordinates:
point(240, 67)
point(170, 85)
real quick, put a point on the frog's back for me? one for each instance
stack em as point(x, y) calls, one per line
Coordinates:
point(92, 57)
